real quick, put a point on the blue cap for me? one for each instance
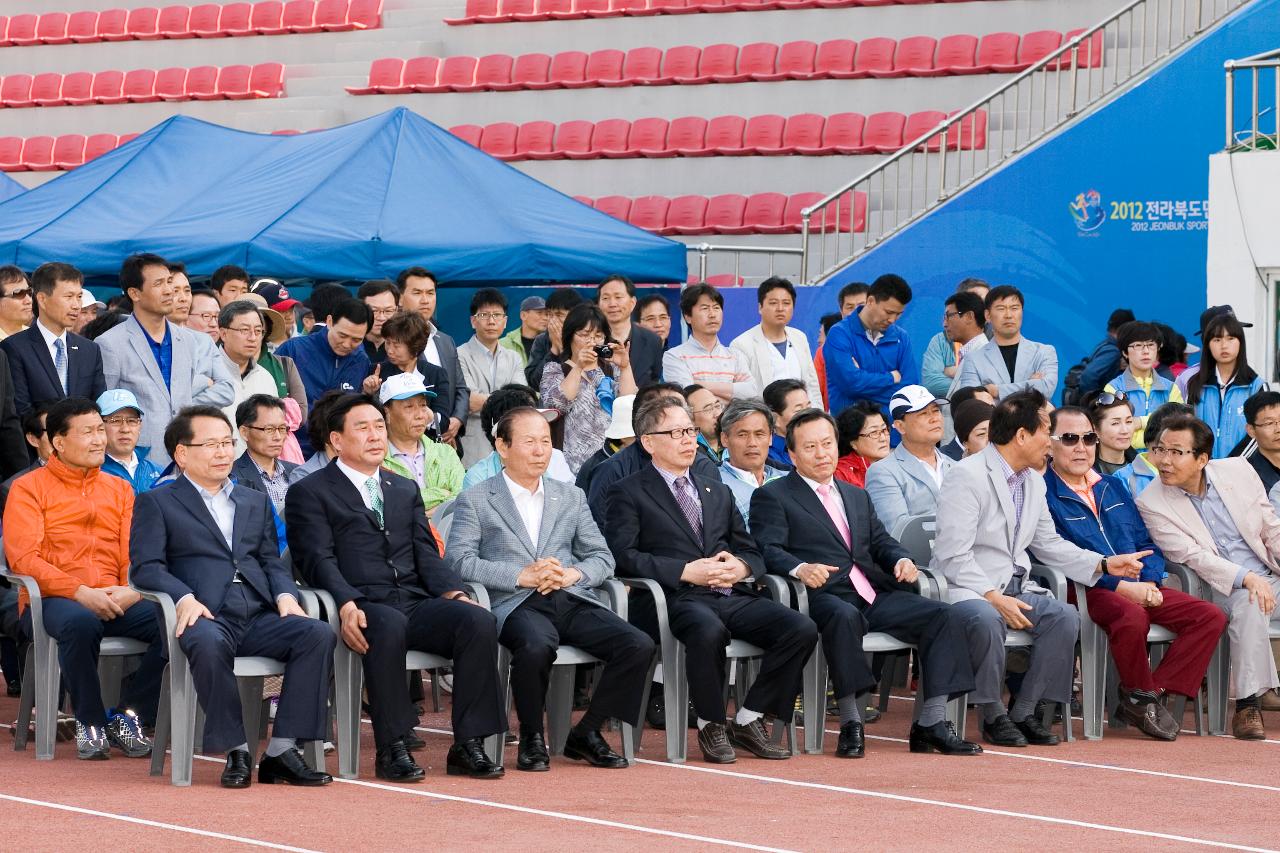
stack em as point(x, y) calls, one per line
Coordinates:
point(116, 399)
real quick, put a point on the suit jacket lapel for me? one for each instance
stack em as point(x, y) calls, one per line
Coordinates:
point(192, 500)
point(550, 512)
point(138, 340)
point(662, 496)
point(1001, 486)
point(808, 499)
point(241, 498)
point(1022, 364)
point(46, 361)
point(916, 469)
point(347, 490)
point(505, 510)
point(181, 367)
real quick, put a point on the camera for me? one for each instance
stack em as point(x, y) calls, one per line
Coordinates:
point(604, 352)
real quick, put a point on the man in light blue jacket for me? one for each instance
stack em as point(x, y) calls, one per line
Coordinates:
point(1010, 362)
point(904, 485)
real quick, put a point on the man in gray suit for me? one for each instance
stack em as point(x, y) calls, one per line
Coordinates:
point(904, 485)
point(1009, 362)
point(992, 511)
point(167, 367)
point(533, 544)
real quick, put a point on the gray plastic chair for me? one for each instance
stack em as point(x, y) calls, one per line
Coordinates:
point(442, 518)
point(917, 537)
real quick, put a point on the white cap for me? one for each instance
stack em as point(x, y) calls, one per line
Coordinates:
point(620, 422)
point(88, 300)
point(912, 398)
point(403, 386)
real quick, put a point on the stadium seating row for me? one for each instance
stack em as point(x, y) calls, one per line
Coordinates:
point(48, 153)
point(207, 20)
point(505, 11)
point(840, 59)
point(729, 135)
point(143, 85)
point(761, 213)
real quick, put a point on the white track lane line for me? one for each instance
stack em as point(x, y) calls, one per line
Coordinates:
point(221, 836)
point(902, 798)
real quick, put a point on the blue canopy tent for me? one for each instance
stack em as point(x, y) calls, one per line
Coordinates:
point(360, 201)
point(9, 187)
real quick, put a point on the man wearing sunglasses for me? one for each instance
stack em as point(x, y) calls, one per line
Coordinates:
point(1095, 511)
point(15, 301)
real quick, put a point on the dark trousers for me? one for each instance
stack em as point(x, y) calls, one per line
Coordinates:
point(542, 622)
point(79, 634)
point(453, 629)
point(706, 621)
point(248, 626)
point(935, 628)
point(1198, 624)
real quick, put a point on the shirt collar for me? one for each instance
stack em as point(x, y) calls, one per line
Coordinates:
point(518, 490)
point(223, 491)
point(48, 336)
point(357, 478)
point(695, 344)
point(670, 476)
point(814, 484)
point(1013, 478)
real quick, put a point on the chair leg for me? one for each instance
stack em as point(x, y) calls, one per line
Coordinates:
point(1219, 675)
point(559, 707)
point(160, 742)
point(110, 674)
point(183, 721)
point(494, 743)
point(48, 681)
point(435, 691)
point(676, 691)
point(632, 735)
point(815, 701)
point(27, 702)
point(347, 678)
point(1094, 667)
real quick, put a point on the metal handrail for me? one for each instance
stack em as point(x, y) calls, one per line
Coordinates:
point(1086, 69)
point(1253, 139)
point(706, 249)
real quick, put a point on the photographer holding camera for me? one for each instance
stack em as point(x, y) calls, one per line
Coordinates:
point(583, 386)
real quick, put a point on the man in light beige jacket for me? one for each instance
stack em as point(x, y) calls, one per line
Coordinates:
point(1214, 517)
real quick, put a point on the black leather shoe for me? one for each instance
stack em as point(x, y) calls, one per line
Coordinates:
point(1002, 732)
point(1035, 732)
point(289, 768)
point(942, 737)
point(591, 747)
point(754, 739)
point(713, 740)
point(851, 744)
point(395, 764)
point(239, 770)
point(413, 743)
point(468, 759)
point(656, 713)
point(532, 755)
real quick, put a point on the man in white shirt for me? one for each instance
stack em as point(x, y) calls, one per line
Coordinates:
point(772, 349)
point(485, 365)
point(703, 360)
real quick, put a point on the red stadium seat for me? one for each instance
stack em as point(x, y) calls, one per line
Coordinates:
point(794, 62)
point(725, 279)
point(567, 68)
point(525, 10)
point(285, 132)
point(454, 71)
point(643, 65)
point(608, 139)
point(673, 7)
point(46, 90)
point(724, 136)
point(686, 215)
point(11, 154)
point(233, 82)
point(1089, 53)
point(140, 86)
point(648, 212)
point(82, 26)
point(268, 17)
point(718, 64)
point(171, 84)
point(99, 144)
point(365, 14)
point(77, 88)
point(37, 153)
point(52, 28)
point(331, 15)
point(68, 151)
point(108, 87)
point(792, 221)
point(535, 138)
point(970, 134)
point(22, 30)
point(846, 216)
point(572, 141)
point(762, 215)
point(528, 69)
point(299, 16)
point(203, 21)
point(15, 91)
point(174, 22)
point(956, 55)
point(1035, 47)
point(126, 138)
point(587, 200)
point(266, 81)
point(679, 63)
point(797, 4)
point(687, 136)
point(499, 140)
point(762, 132)
point(914, 57)
point(468, 133)
point(648, 138)
point(918, 124)
point(875, 57)
point(492, 71)
point(801, 131)
point(235, 19)
point(420, 74)
point(475, 13)
point(996, 49)
point(111, 25)
point(725, 213)
point(144, 23)
point(759, 61)
point(202, 83)
point(384, 75)
point(588, 9)
point(617, 206)
point(4, 33)
point(604, 68)
point(883, 132)
point(834, 59)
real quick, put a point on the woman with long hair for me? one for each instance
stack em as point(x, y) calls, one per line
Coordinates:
point(1223, 382)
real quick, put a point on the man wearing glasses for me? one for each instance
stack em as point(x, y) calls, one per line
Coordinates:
point(122, 416)
point(684, 531)
point(241, 328)
point(261, 422)
point(15, 301)
point(486, 366)
point(1095, 511)
point(1215, 518)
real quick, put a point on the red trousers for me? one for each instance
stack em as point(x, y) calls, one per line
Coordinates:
point(1198, 624)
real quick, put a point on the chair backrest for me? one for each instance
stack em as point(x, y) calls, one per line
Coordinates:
point(917, 537)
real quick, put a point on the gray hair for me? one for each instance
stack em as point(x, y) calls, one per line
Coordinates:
point(232, 310)
point(739, 409)
point(650, 414)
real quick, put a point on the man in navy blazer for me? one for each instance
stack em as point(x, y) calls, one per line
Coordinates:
point(211, 545)
point(48, 361)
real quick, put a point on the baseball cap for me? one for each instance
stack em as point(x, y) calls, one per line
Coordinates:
point(1214, 311)
point(88, 300)
point(533, 303)
point(912, 398)
point(112, 401)
point(403, 386)
point(275, 293)
point(620, 422)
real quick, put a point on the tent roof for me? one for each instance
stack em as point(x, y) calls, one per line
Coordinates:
point(9, 187)
point(360, 201)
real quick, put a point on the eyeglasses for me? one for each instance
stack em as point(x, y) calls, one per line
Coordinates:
point(1148, 346)
point(1175, 452)
point(384, 312)
point(717, 406)
point(947, 315)
point(1071, 439)
point(491, 315)
point(1266, 425)
point(271, 430)
point(247, 331)
point(125, 421)
point(224, 444)
point(875, 433)
point(20, 293)
point(207, 316)
point(677, 433)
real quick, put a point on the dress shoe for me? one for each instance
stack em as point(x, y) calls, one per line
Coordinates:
point(1035, 732)
point(1002, 732)
point(591, 747)
point(655, 714)
point(754, 739)
point(1150, 718)
point(413, 743)
point(468, 758)
point(532, 755)
point(289, 768)
point(1246, 724)
point(395, 764)
point(239, 770)
point(713, 740)
point(942, 737)
point(851, 744)
point(1270, 701)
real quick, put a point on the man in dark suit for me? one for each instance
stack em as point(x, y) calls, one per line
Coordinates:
point(616, 298)
point(211, 545)
point(48, 361)
point(418, 293)
point(262, 426)
point(13, 447)
point(361, 533)
point(684, 531)
point(825, 533)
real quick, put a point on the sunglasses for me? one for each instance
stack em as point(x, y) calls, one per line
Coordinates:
point(1109, 398)
point(1071, 439)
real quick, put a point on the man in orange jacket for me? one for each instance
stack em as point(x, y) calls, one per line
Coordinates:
point(67, 526)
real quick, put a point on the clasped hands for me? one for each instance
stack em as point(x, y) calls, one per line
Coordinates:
point(722, 571)
point(814, 575)
point(546, 575)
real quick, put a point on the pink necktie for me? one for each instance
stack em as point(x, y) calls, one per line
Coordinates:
point(831, 502)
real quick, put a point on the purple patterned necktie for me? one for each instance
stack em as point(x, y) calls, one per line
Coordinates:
point(688, 502)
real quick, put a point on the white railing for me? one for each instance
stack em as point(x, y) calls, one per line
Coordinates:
point(969, 144)
point(1257, 116)
point(771, 254)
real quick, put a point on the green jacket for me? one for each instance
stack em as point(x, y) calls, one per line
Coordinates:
point(511, 340)
point(442, 472)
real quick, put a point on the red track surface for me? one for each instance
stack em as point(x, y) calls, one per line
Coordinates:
point(1123, 793)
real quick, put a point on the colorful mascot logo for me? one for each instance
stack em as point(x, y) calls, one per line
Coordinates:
point(1087, 211)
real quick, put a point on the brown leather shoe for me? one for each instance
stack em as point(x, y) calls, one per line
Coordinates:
point(755, 739)
point(1247, 724)
point(714, 743)
point(1270, 701)
point(1150, 718)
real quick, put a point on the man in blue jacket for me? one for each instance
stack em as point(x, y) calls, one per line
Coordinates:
point(1096, 512)
point(1104, 362)
point(868, 355)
